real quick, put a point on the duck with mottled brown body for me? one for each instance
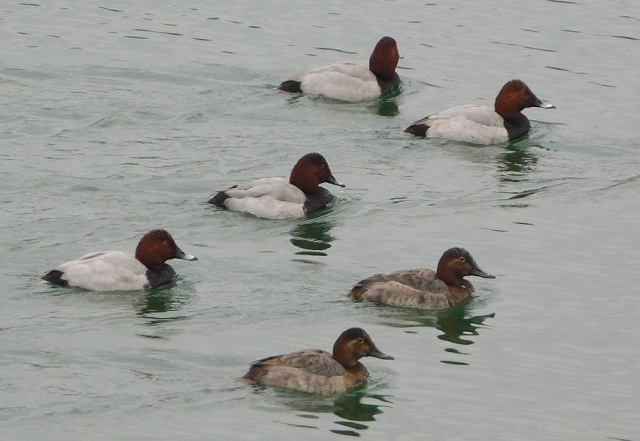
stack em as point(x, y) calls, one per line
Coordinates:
point(424, 288)
point(317, 371)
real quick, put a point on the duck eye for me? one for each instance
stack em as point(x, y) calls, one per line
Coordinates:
point(360, 340)
point(462, 259)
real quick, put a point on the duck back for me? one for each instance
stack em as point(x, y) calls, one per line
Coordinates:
point(479, 114)
point(342, 81)
point(470, 123)
point(416, 288)
point(311, 370)
point(272, 198)
point(105, 271)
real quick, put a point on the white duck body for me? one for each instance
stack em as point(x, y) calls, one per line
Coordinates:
point(470, 123)
point(350, 82)
point(106, 271)
point(271, 198)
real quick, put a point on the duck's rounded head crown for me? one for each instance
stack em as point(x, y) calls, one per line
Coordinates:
point(515, 96)
point(156, 247)
point(384, 58)
point(310, 171)
point(353, 344)
point(455, 264)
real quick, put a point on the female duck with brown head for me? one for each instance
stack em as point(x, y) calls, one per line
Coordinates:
point(275, 198)
point(121, 271)
point(317, 371)
point(349, 81)
point(477, 124)
point(423, 288)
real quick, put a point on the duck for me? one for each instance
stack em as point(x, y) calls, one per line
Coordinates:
point(122, 271)
point(317, 371)
point(423, 288)
point(351, 82)
point(476, 124)
point(275, 198)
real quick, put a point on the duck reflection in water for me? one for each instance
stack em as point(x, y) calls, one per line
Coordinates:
point(350, 407)
point(516, 159)
point(515, 164)
point(312, 236)
point(161, 305)
point(456, 322)
point(385, 106)
point(354, 411)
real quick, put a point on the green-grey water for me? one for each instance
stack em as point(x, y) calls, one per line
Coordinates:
point(120, 118)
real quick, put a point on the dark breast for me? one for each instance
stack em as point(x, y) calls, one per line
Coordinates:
point(160, 276)
point(388, 84)
point(317, 200)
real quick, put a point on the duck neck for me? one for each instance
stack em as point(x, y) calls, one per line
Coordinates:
point(388, 84)
point(448, 275)
point(302, 182)
point(516, 127)
point(317, 199)
point(355, 375)
point(451, 280)
point(507, 109)
point(160, 276)
point(345, 360)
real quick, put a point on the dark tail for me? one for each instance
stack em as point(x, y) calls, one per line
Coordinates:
point(218, 200)
point(417, 129)
point(55, 277)
point(290, 86)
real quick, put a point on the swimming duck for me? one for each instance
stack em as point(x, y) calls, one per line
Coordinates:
point(423, 288)
point(317, 371)
point(477, 124)
point(349, 81)
point(275, 198)
point(121, 271)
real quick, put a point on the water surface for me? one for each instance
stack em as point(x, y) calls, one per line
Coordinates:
point(120, 118)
